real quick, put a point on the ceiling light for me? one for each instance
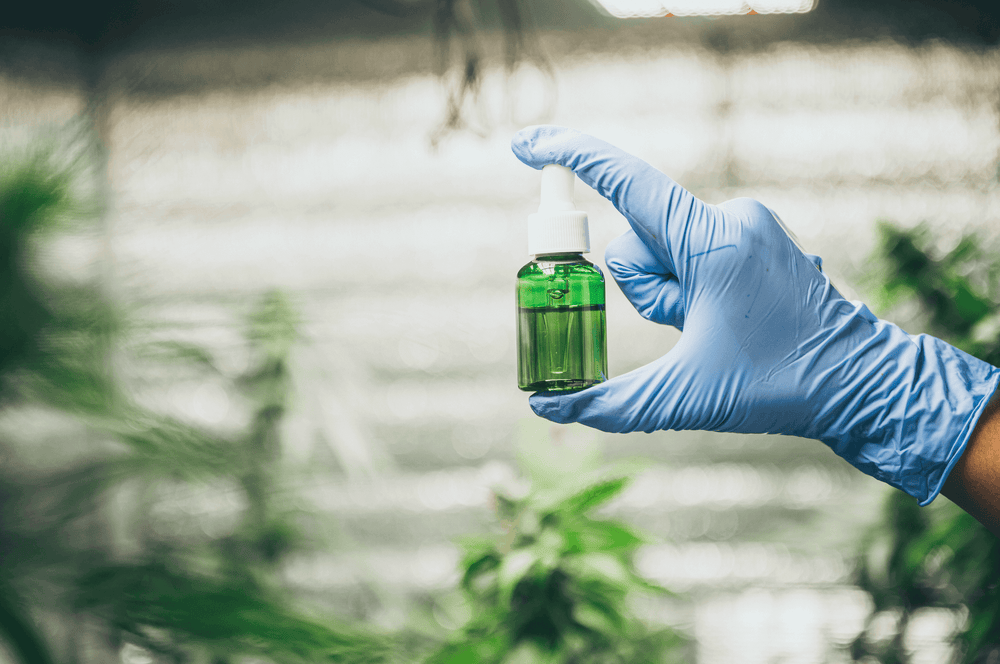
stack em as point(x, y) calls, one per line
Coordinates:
point(651, 8)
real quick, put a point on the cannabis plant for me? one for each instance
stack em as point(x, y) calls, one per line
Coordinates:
point(556, 585)
point(68, 590)
point(938, 557)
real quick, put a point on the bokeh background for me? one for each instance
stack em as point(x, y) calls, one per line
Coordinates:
point(306, 219)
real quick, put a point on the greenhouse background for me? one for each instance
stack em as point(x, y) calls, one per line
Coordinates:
point(319, 162)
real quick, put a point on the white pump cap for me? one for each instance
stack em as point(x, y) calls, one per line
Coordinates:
point(558, 227)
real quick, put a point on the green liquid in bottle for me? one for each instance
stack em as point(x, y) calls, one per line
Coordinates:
point(562, 340)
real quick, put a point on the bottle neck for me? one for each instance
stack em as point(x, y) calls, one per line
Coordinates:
point(565, 256)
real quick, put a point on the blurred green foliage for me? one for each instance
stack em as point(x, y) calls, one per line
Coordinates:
point(937, 557)
point(67, 499)
point(557, 585)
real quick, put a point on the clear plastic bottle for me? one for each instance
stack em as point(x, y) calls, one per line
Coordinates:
point(561, 329)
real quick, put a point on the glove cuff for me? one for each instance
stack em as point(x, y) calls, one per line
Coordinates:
point(983, 397)
point(908, 419)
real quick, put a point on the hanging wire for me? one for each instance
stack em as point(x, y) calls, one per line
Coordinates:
point(461, 60)
point(454, 21)
point(521, 47)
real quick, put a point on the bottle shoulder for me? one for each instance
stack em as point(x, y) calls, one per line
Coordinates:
point(576, 267)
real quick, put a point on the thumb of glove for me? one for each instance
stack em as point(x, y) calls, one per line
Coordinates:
point(641, 400)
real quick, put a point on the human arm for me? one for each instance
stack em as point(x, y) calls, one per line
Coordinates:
point(974, 482)
point(768, 344)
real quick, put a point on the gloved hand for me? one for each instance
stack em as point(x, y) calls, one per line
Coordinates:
point(768, 344)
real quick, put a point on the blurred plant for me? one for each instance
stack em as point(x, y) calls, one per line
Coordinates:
point(61, 517)
point(556, 585)
point(939, 556)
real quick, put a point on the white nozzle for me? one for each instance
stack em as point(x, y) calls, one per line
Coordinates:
point(557, 227)
point(557, 189)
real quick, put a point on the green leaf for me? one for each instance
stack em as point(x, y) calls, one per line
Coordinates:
point(273, 325)
point(512, 569)
point(463, 653)
point(597, 618)
point(602, 566)
point(530, 653)
point(549, 547)
point(650, 587)
point(237, 616)
point(18, 630)
point(477, 648)
point(979, 630)
point(480, 573)
point(178, 351)
point(593, 496)
point(607, 536)
point(970, 306)
point(508, 509)
point(475, 547)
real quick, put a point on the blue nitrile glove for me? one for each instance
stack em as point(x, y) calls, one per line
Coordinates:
point(769, 346)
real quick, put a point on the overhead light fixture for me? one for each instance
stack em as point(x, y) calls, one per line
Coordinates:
point(651, 8)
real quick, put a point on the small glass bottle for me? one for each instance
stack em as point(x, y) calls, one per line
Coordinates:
point(562, 339)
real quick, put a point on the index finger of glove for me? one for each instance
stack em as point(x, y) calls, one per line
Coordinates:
point(659, 210)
